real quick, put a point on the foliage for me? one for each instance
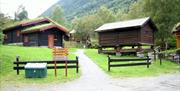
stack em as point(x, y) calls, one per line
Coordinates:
point(4, 21)
point(1, 36)
point(35, 28)
point(21, 13)
point(172, 51)
point(136, 71)
point(165, 17)
point(80, 8)
point(8, 55)
point(72, 44)
point(58, 15)
point(86, 25)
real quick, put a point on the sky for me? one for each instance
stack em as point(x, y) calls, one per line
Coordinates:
point(33, 7)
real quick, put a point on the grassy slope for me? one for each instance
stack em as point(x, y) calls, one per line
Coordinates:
point(133, 71)
point(8, 55)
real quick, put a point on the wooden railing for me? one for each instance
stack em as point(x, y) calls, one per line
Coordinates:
point(20, 65)
point(115, 61)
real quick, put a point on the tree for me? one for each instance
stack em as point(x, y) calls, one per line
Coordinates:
point(105, 15)
point(5, 20)
point(21, 13)
point(163, 12)
point(86, 25)
point(58, 15)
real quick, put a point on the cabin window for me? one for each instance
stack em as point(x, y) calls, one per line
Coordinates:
point(26, 39)
point(18, 33)
point(5, 36)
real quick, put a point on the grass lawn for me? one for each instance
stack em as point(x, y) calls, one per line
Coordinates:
point(133, 71)
point(8, 75)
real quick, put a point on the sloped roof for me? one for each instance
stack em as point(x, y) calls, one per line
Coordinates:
point(176, 28)
point(73, 31)
point(124, 24)
point(43, 27)
point(26, 22)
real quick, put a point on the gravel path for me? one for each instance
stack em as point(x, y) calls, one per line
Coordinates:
point(94, 79)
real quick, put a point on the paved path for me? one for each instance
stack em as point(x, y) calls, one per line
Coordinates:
point(94, 79)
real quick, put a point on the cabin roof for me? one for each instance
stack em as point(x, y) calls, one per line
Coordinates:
point(26, 22)
point(43, 27)
point(176, 28)
point(72, 32)
point(50, 24)
point(125, 24)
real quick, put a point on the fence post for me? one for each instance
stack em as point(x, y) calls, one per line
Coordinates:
point(160, 58)
point(178, 58)
point(55, 68)
point(66, 67)
point(147, 61)
point(109, 63)
point(160, 61)
point(17, 65)
point(77, 65)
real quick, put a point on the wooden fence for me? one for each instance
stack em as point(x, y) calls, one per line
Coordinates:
point(20, 65)
point(116, 62)
point(60, 52)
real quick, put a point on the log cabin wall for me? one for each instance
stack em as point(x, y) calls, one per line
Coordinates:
point(128, 37)
point(8, 37)
point(119, 37)
point(108, 39)
point(41, 38)
point(58, 37)
point(32, 39)
point(13, 36)
point(147, 35)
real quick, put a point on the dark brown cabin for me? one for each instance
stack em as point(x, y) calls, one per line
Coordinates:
point(37, 32)
point(137, 32)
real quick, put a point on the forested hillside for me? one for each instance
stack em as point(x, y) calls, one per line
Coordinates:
point(87, 15)
point(78, 8)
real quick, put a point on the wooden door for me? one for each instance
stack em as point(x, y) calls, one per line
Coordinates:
point(50, 40)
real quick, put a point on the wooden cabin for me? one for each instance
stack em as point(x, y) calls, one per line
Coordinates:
point(176, 31)
point(137, 32)
point(37, 32)
point(72, 35)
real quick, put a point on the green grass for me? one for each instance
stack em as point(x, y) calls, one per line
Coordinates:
point(133, 71)
point(8, 75)
point(170, 51)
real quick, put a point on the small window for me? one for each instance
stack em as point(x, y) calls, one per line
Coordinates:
point(26, 39)
point(18, 33)
point(5, 36)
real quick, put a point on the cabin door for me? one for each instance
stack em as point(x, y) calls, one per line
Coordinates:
point(50, 40)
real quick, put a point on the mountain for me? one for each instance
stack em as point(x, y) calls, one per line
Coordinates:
point(78, 8)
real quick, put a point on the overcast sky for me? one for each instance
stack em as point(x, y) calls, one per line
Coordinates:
point(34, 7)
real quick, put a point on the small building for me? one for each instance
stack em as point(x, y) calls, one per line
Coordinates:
point(137, 32)
point(72, 35)
point(176, 31)
point(37, 32)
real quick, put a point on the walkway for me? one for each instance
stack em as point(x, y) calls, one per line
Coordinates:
point(94, 79)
